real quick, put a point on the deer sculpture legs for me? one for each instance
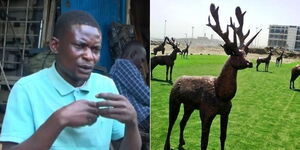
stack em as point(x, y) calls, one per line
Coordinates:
point(206, 121)
point(188, 110)
point(167, 71)
point(278, 62)
point(184, 54)
point(223, 126)
point(257, 64)
point(294, 76)
point(266, 66)
point(153, 65)
point(292, 84)
point(174, 108)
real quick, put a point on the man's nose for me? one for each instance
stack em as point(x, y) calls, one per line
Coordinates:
point(88, 54)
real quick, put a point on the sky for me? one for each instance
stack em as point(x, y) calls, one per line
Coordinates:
point(182, 17)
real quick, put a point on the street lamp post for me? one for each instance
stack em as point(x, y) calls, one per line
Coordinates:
point(192, 32)
point(256, 40)
point(165, 28)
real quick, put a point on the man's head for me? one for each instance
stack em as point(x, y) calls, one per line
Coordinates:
point(77, 42)
point(76, 17)
point(136, 52)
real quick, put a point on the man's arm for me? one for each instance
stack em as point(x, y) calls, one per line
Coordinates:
point(42, 139)
point(76, 114)
point(119, 108)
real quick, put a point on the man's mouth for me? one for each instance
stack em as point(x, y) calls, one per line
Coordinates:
point(86, 68)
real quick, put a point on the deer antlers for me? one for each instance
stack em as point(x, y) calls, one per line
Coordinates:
point(229, 47)
point(217, 28)
point(187, 43)
point(172, 42)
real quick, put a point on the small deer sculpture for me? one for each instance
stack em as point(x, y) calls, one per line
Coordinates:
point(279, 59)
point(160, 47)
point(211, 95)
point(167, 60)
point(294, 74)
point(265, 60)
point(185, 52)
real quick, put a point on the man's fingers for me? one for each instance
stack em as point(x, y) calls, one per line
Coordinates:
point(110, 96)
point(118, 114)
point(110, 103)
point(109, 111)
point(93, 110)
point(92, 104)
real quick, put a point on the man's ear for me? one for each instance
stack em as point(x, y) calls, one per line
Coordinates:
point(54, 44)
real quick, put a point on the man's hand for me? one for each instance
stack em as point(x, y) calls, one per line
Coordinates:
point(117, 107)
point(78, 113)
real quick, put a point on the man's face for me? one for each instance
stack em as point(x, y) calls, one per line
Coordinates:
point(78, 52)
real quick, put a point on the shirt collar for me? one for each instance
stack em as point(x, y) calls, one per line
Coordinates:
point(61, 85)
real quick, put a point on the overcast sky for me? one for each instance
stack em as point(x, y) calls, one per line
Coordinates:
point(181, 15)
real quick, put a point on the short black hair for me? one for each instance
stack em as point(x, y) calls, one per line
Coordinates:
point(66, 20)
point(133, 47)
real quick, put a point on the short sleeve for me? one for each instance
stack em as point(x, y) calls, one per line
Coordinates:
point(117, 130)
point(18, 120)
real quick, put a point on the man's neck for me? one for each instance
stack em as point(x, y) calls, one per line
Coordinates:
point(73, 82)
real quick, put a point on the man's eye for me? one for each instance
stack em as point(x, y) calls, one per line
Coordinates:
point(95, 49)
point(79, 45)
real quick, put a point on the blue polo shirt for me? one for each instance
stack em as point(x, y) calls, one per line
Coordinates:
point(34, 98)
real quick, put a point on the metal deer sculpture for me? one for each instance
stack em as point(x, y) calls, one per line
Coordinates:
point(294, 74)
point(160, 47)
point(167, 60)
point(185, 52)
point(208, 94)
point(265, 60)
point(279, 59)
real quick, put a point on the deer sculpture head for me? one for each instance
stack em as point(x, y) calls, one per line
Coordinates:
point(187, 45)
point(174, 44)
point(237, 53)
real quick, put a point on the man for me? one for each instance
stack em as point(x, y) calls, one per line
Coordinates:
point(66, 106)
point(129, 73)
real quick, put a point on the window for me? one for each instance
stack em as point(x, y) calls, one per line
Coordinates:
point(297, 45)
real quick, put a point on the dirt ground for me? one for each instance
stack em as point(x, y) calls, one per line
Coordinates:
point(219, 51)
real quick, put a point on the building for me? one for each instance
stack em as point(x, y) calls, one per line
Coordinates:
point(284, 36)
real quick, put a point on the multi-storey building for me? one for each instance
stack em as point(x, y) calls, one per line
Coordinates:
point(284, 36)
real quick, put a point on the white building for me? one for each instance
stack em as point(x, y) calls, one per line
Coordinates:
point(284, 36)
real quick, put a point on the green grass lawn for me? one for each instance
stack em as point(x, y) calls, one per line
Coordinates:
point(265, 114)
